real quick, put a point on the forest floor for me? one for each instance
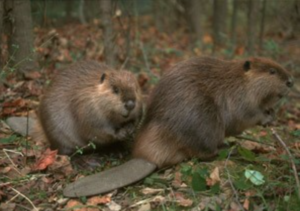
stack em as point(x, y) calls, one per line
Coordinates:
point(259, 175)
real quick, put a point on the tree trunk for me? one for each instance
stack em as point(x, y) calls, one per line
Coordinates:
point(20, 42)
point(262, 24)
point(233, 23)
point(295, 19)
point(156, 7)
point(1, 31)
point(171, 11)
point(194, 10)
point(252, 22)
point(219, 22)
point(106, 11)
point(81, 12)
point(68, 9)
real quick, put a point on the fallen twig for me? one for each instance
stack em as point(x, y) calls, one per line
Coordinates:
point(236, 196)
point(253, 140)
point(25, 197)
point(275, 134)
point(13, 164)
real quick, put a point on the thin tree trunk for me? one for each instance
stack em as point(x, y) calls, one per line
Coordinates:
point(21, 42)
point(81, 12)
point(219, 22)
point(1, 30)
point(195, 17)
point(262, 24)
point(68, 9)
point(44, 20)
point(156, 6)
point(171, 12)
point(252, 22)
point(233, 23)
point(106, 11)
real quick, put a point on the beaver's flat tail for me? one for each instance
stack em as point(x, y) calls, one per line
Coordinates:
point(117, 177)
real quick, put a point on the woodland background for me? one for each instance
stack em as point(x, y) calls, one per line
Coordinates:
point(38, 38)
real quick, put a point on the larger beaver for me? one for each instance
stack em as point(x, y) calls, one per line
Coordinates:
point(195, 105)
point(86, 102)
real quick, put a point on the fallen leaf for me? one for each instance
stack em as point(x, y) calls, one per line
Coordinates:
point(72, 204)
point(113, 206)
point(246, 204)
point(145, 207)
point(181, 200)
point(255, 177)
point(62, 164)
point(149, 191)
point(263, 133)
point(207, 39)
point(30, 75)
point(158, 199)
point(177, 182)
point(257, 147)
point(45, 160)
point(99, 200)
point(6, 169)
point(214, 177)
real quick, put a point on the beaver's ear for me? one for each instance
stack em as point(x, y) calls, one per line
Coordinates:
point(103, 76)
point(247, 65)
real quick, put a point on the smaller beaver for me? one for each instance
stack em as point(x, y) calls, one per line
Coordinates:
point(87, 102)
point(192, 109)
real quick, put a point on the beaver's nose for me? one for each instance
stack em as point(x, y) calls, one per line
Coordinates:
point(129, 105)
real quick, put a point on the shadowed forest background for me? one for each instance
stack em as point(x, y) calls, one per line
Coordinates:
point(38, 38)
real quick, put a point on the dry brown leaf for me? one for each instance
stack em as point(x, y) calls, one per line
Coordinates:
point(62, 164)
point(177, 182)
point(6, 169)
point(113, 206)
point(246, 204)
point(72, 203)
point(207, 39)
point(181, 200)
point(47, 158)
point(30, 75)
point(99, 200)
point(149, 191)
point(214, 177)
point(257, 147)
point(145, 207)
point(158, 199)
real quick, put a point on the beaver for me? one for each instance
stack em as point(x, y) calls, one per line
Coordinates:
point(195, 105)
point(89, 101)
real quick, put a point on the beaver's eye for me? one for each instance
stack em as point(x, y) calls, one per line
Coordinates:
point(115, 90)
point(272, 71)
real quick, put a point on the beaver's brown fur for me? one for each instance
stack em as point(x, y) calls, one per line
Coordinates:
point(201, 101)
point(89, 102)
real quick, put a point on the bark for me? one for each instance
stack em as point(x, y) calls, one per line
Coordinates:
point(295, 19)
point(106, 11)
point(252, 22)
point(19, 25)
point(81, 12)
point(68, 9)
point(91, 9)
point(262, 24)
point(194, 10)
point(233, 22)
point(1, 31)
point(171, 11)
point(219, 22)
point(156, 7)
